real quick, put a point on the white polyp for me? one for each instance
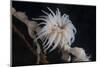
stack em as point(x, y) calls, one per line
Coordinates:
point(58, 30)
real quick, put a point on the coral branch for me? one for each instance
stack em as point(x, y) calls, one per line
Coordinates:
point(79, 54)
point(32, 28)
point(23, 37)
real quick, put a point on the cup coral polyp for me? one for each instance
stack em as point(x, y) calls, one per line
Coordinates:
point(58, 30)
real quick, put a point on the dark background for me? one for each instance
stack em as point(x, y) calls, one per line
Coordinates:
point(82, 16)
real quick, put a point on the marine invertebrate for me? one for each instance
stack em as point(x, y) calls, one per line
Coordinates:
point(58, 30)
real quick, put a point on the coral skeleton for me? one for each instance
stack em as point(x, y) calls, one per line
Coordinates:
point(58, 30)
